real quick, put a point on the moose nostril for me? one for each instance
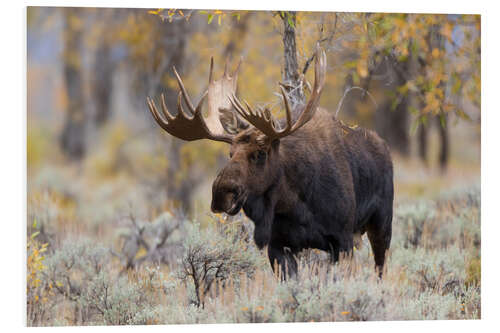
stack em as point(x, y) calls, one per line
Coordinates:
point(224, 197)
point(235, 192)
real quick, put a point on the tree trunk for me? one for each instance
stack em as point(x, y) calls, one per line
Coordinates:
point(173, 37)
point(239, 31)
point(392, 125)
point(438, 41)
point(291, 77)
point(392, 118)
point(102, 87)
point(444, 151)
point(422, 143)
point(434, 40)
point(72, 139)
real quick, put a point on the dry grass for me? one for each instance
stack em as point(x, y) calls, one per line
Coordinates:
point(433, 272)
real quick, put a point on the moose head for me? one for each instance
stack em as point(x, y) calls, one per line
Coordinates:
point(254, 164)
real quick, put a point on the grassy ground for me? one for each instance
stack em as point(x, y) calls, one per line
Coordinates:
point(208, 270)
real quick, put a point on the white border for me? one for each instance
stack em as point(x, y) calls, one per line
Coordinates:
point(13, 153)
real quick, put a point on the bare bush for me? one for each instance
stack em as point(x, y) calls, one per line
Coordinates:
point(153, 237)
point(214, 256)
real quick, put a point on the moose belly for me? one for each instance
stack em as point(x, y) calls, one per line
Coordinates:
point(289, 232)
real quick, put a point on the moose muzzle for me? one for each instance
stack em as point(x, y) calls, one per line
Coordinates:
point(228, 195)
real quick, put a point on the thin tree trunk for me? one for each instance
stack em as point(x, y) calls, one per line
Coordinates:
point(72, 139)
point(392, 117)
point(102, 87)
point(174, 36)
point(291, 77)
point(438, 41)
point(422, 143)
point(238, 35)
point(444, 151)
point(435, 40)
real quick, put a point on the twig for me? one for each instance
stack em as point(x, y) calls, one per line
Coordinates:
point(321, 40)
point(345, 94)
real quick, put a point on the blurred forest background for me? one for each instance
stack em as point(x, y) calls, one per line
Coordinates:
point(99, 167)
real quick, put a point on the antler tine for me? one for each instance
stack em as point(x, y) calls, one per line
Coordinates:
point(184, 92)
point(287, 108)
point(185, 126)
point(237, 105)
point(264, 121)
point(156, 115)
point(180, 110)
point(257, 118)
point(319, 82)
point(165, 111)
point(211, 75)
point(237, 69)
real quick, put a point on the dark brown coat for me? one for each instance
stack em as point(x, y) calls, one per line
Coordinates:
point(315, 188)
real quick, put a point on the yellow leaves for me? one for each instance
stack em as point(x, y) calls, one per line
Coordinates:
point(446, 31)
point(170, 14)
point(400, 22)
point(141, 253)
point(345, 313)
point(431, 103)
point(35, 264)
point(434, 101)
point(258, 308)
point(75, 22)
point(155, 12)
point(435, 53)
point(212, 14)
point(362, 68)
point(219, 218)
point(403, 90)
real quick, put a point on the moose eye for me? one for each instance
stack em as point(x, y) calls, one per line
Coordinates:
point(259, 157)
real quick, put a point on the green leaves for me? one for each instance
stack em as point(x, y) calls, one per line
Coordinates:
point(219, 14)
point(290, 20)
point(210, 17)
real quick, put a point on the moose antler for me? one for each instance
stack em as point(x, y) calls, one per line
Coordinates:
point(262, 119)
point(220, 115)
point(184, 126)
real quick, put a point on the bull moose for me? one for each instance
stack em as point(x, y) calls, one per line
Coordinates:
point(306, 181)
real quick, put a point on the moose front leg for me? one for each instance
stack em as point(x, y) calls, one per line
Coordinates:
point(281, 259)
point(261, 212)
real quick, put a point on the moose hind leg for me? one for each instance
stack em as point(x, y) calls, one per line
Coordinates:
point(282, 259)
point(379, 230)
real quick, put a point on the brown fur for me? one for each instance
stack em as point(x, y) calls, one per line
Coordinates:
point(312, 189)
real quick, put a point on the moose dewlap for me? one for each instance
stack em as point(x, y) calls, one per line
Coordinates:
point(307, 181)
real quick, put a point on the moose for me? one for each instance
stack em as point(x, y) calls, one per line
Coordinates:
point(306, 181)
